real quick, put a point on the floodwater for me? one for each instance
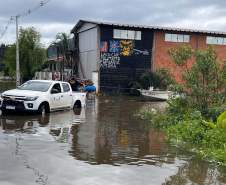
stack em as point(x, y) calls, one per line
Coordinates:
point(102, 144)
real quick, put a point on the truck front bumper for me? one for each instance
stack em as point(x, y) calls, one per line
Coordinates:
point(17, 106)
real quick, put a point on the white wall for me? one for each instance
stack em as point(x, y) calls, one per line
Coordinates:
point(88, 48)
point(86, 26)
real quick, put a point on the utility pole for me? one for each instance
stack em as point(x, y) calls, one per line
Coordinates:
point(17, 55)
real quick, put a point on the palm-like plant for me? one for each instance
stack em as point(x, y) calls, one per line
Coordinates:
point(62, 40)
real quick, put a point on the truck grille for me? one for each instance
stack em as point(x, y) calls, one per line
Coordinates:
point(12, 102)
point(19, 105)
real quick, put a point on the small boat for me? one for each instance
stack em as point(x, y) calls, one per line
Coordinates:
point(156, 95)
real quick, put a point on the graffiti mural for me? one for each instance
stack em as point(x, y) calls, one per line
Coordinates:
point(140, 52)
point(104, 46)
point(114, 46)
point(109, 60)
point(126, 47)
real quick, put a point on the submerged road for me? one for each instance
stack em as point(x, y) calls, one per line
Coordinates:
point(103, 144)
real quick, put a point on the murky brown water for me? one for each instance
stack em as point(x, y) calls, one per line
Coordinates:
point(101, 144)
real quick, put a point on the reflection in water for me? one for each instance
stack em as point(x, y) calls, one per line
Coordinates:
point(197, 172)
point(105, 132)
point(22, 124)
point(116, 137)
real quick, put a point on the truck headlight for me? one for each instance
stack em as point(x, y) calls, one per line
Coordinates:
point(31, 98)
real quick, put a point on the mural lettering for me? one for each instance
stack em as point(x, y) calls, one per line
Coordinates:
point(109, 60)
point(126, 47)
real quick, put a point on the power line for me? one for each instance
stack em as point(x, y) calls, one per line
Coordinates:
point(42, 3)
point(30, 11)
point(26, 13)
point(6, 27)
point(23, 14)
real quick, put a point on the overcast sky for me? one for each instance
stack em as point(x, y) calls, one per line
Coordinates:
point(62, 15)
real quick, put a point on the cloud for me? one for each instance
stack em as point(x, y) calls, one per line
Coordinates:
point(61, 16)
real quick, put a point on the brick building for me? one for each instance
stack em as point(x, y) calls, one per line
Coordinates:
point(166, 39)
point(113, 55)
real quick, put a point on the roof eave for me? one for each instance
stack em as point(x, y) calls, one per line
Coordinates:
point(157, 28)
point(77, 26)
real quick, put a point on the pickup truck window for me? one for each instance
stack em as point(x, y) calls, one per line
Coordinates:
point(35, 86)
point(66, 87)
point(56, 89)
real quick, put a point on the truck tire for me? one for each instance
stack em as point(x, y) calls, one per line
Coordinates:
point(77, 104)
point(43, 109)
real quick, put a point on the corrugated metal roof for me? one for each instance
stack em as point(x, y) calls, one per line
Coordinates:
point(80, 22)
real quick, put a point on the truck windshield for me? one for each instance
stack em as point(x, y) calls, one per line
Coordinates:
point(35, 86)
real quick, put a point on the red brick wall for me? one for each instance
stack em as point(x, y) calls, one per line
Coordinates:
point(161, 58)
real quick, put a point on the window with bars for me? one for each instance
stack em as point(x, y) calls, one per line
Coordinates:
point(170, 37)
point(216, 40)
point(127, 34)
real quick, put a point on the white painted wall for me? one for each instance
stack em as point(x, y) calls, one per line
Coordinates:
point(88, 48)
point(86, 26)
point(95, 79)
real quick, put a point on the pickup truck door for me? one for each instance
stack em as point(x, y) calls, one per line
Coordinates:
point(55, 96)
point(66, 97)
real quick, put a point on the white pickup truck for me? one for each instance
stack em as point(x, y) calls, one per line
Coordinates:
point(41, 96)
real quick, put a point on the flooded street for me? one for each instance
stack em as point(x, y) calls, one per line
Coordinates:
point(103, 143)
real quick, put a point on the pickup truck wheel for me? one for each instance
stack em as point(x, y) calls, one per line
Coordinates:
point(42, 109)
point(77, 105)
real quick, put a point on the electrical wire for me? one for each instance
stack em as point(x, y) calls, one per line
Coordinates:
point(6, 27)
point(30, 11)
point(23, 14)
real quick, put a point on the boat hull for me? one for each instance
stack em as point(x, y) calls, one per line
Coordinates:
point(156, 95)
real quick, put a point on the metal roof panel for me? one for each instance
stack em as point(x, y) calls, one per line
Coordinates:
point(162, 28)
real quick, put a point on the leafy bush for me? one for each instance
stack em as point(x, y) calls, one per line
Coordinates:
point(160, 79)
point(208, 143)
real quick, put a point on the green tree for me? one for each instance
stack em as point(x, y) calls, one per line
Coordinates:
point(32, 54)
point(181, 55)
point(10, 60)
point(203, 82)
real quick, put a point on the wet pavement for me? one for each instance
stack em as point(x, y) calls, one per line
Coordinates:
point(103, 143)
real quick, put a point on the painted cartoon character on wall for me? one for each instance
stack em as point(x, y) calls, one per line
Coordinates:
point(126, 47)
